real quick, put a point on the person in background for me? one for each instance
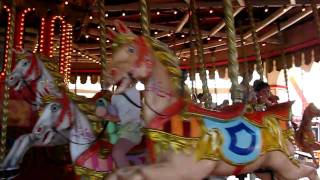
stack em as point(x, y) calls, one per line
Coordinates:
point(263, 93)
point(201, 99)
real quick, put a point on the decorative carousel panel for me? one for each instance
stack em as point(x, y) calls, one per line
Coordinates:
point(289, 60)
point(317, 54)
point(297, 59)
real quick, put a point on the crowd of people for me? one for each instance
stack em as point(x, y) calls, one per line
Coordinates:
point(259, 95)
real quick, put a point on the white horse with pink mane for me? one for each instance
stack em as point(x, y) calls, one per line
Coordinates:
point(198, 143)
point(35, 74)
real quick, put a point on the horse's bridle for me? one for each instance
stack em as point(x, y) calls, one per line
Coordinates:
point(34, 65)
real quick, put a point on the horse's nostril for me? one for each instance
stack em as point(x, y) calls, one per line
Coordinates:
point(39, 129)
point(11, 78)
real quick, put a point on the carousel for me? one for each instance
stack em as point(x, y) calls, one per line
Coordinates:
point(192, 89)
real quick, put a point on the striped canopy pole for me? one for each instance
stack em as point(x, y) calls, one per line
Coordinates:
point(233, 64)
point(145, 17)
point(103, 44)
point(203, 74)
point(6, 96)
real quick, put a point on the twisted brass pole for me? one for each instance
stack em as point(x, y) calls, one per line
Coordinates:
point(246, 85)
point(145, 19)
point(283, 59)
point(203, 74)
point(103, 44)
point(191, 60)
point(255, 40)
point(316, 15)
point(233, 65)
point(6, 87)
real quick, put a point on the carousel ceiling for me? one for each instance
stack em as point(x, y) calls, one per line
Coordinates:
point(169, 22)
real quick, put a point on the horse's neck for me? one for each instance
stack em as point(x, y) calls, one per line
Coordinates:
point(81, 135)
point(159, 92)
point(46, 85)
point(307, 117)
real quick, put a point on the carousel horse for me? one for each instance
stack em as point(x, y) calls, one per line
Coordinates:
point(303, 136)
point(34, 77)
point(235, 141)
point(63, 120)
point(40, 77)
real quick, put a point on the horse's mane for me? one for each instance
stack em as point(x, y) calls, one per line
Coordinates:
point(85, 105)
point(164, 55)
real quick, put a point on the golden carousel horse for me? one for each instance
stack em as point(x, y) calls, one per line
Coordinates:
point(196, 143)
point(303, 136)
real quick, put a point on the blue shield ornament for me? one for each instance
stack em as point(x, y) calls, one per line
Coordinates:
point(241, 139)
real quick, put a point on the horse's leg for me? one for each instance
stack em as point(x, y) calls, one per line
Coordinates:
point(19, 148)
point(281, 164)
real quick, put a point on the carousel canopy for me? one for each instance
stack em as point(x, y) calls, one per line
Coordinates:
point(170, 22)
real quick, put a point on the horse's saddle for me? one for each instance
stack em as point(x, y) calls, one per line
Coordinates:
point(229, 113)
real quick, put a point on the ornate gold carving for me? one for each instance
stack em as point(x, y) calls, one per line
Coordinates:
point(91, 174)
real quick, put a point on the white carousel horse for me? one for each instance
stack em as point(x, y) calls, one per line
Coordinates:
point(61, 121)
point(34, 76)
point(37, 75)
point(232, 142)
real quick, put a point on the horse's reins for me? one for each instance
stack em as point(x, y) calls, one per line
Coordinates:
point(64, 102)
point(144, 100)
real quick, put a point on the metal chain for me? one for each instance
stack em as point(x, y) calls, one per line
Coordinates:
point(200, 53)
point(103, 44)
point(6, 87)
point(236, 93)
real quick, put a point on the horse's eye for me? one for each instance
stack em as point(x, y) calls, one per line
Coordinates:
point(54, 108)
point(25, 63)
point(131, 49)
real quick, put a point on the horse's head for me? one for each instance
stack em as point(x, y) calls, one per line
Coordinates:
point(25, 71)
point(57, 116)
point(132, 57)
point(313, 110)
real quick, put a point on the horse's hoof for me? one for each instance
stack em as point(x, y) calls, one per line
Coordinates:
point(9, 173)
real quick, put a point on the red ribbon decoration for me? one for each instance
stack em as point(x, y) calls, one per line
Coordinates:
point(65, 103)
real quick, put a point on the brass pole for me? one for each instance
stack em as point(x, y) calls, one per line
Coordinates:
point(283, 59)
point(6, 96)
point(246, 69)
point(233, 65)
point(103, 44)
point(255, 40)
point(145, 19)
point(203, 74)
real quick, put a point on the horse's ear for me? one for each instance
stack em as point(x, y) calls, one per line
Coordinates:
point(111, 33)
point(121, 27)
